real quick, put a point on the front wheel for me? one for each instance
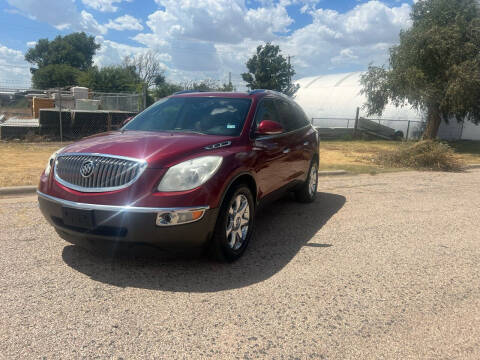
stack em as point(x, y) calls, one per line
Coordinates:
point(235, 225)
point(308, 190)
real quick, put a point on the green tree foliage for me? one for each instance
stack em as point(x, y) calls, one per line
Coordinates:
point(51, 76)
point(435, 67)
point(269, 69)
point(166, 89)
point(111, 79)
point(76, 50)
point(227, 87)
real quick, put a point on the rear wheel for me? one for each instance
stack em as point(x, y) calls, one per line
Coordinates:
point(308, 191)
point(235, 225)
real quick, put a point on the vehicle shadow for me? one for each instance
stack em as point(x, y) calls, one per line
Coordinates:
point(282, 229)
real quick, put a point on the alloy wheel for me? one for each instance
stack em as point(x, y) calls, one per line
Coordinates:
point(313, 180)
point(238, 222)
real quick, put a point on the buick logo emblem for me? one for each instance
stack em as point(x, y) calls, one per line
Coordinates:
point(87, 168)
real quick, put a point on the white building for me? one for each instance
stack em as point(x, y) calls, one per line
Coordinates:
point(332, 101)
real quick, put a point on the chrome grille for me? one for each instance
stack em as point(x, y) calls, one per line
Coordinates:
point(109, 172)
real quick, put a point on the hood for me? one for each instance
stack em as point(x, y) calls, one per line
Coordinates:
point(158, 148)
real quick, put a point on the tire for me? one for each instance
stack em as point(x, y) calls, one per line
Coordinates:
point(307, 193)
point(231, 235)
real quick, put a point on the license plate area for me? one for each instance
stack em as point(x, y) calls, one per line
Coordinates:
point(78, 218)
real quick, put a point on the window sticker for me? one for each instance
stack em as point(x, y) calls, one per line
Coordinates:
point(231, 126)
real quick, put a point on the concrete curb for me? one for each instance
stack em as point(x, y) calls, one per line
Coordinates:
point(473, 166)
point(332, 173)
point(18, 190)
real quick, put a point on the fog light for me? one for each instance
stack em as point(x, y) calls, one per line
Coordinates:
point(169, 218)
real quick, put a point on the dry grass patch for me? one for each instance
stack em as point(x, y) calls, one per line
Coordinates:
point(22, 163)
point(424, 155)
point(358, 157)
point(362, 157)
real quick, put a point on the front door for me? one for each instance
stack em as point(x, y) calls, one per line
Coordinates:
point(271, 152)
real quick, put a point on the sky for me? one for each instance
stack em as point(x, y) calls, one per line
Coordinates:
point(208, 39)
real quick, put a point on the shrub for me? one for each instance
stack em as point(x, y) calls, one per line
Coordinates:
point(423, 155)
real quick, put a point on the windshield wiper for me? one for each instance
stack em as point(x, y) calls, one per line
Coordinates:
point(187, 131)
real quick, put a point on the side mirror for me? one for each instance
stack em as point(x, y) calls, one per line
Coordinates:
point(268, 127)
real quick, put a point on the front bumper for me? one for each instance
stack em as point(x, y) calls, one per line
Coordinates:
point(127, 224)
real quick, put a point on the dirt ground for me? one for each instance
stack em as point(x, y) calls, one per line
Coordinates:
point(379, 267)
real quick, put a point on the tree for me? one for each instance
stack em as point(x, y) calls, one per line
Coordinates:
point(111, 79)
point(436, 66)
point(147, 65)
point(227, 87)
point(54, 75)
point(75, 50)
point(269, 69)
point(166, 89)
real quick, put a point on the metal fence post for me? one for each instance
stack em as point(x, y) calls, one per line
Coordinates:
point(356, 123)
point(60, 113)
point(408, 130)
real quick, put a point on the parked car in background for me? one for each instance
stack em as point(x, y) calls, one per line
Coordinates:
point(190, 170)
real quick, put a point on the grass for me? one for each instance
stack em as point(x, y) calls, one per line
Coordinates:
point(22, 163)
point(360, 156)
point(357, 157)
point(468, 150)
point(423, 155)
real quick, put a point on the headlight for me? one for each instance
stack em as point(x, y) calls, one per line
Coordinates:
point(190, 174)
point(49, 166)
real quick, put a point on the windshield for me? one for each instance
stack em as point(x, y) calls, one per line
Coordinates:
point(206, 115)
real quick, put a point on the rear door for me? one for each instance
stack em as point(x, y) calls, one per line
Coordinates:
point(296, 140)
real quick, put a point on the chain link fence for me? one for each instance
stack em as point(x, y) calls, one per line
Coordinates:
point(63, 114)
point(344, 127)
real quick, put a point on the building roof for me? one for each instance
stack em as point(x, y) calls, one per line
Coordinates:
point(338, 96)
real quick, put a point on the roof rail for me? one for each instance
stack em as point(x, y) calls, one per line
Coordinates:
point(257, 91)
point(188, 91)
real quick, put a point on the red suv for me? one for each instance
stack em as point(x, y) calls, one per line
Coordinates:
point(188, 171)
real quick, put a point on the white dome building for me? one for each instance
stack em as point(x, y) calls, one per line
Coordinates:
point(332, 101)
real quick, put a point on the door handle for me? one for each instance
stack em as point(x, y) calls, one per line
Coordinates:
point(286, 151)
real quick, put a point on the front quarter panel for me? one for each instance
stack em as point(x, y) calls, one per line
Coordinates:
point(236, 160)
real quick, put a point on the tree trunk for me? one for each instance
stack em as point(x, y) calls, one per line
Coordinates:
point(433, 123)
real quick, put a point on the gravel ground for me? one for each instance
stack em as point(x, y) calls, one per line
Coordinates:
point(380, 267)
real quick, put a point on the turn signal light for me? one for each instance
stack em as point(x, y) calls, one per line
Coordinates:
point(170, 218)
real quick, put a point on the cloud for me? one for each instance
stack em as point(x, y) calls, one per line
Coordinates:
point(62, 14)
point(113, 53)
point(223, 21)
point(125, 22)
point(103, 5)
point(337, 41)
point(209, 38)
point(14, 70)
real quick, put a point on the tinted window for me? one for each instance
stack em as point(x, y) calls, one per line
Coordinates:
point(266, 111)
point(300, 117)
point(286, 115)
point(213, 116)
point(291, 115)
